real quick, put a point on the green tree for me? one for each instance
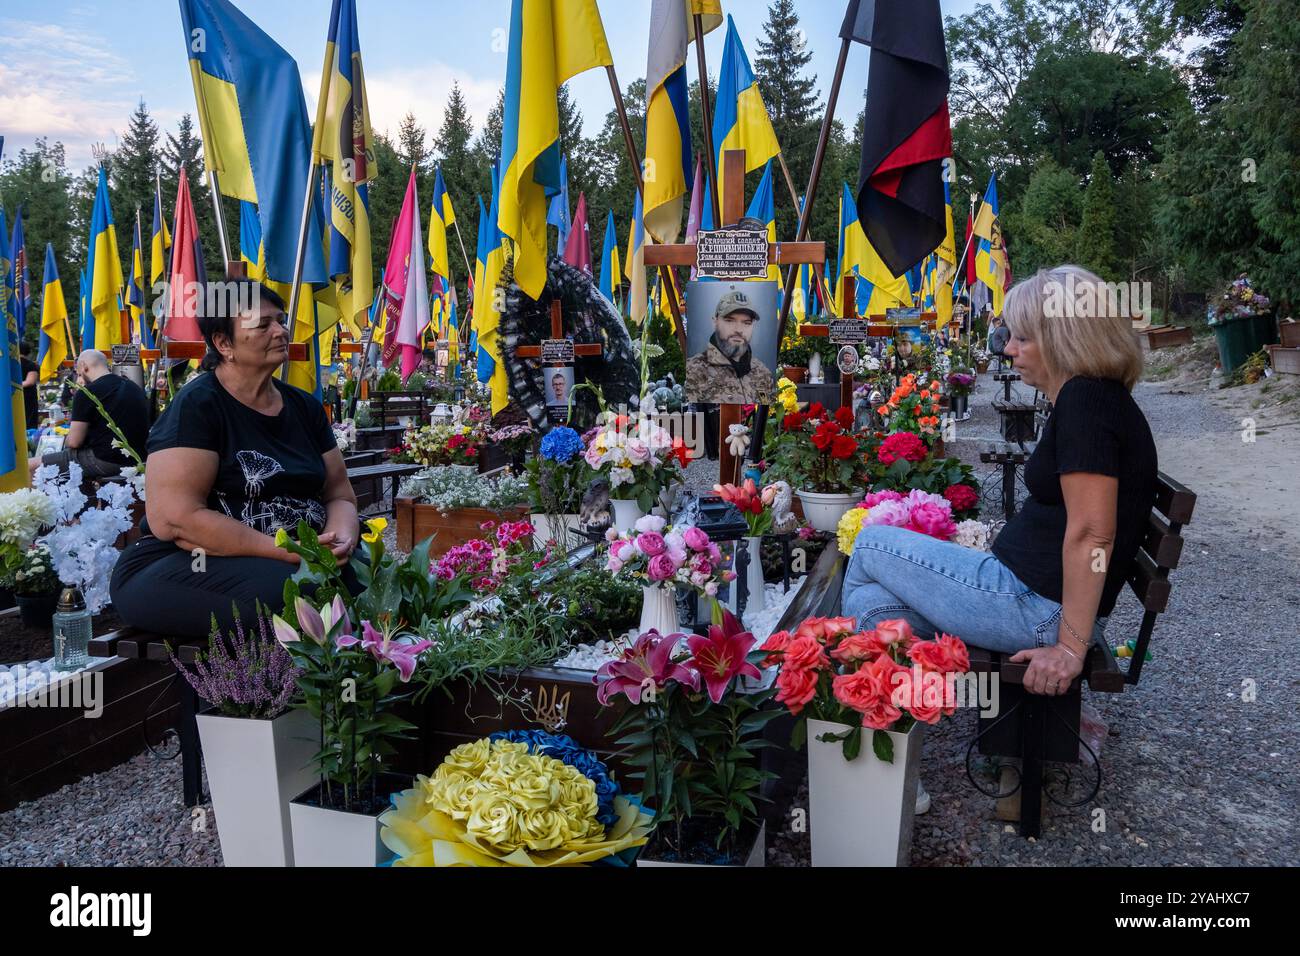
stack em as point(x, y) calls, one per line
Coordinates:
point(37, 180)
point(453, 148)
point(1095, 247)
point(1046, 221)
point(134, 169)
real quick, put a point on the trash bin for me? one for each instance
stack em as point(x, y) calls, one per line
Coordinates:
point(1241, 336)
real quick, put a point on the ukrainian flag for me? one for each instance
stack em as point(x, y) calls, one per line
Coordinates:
point(441, 218)
point(550, 42)
point(636, 295)
point(610, 277)
point(668, 155)
point(135, 297)
point(22, 299)
point(763, 208)
point(945, 263)
point(83, 304)
point(251, 250)
point(491, 366)
point(13, 426)
point(740, 120)
point(54, 347)
point(257, 137)
point(480, 259)
point(160, 240)
point(104, 273)
point(877, 289)
point(991, 254)
point(342, 137)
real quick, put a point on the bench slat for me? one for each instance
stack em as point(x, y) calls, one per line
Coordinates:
point(1163, 545)
point(1149, 583)
point(1174, 500)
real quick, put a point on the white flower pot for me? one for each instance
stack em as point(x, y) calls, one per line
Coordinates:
point(756, 596)
point(626, 514)
point(659, 609)
point(554, 528)
point(757, 854)
point(824, 511)
point(861, 810)
point(335, 838)
point(255, 767)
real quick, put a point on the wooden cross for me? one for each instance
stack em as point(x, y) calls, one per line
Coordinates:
point(778, 253)
point(557, 336)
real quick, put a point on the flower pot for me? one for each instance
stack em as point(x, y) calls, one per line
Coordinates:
point(815, 369)
point(37, 610)
point(554, 528)
point(757, 855)
point(824, 511)
point(959, 405)
point(626, 514)
point(796, 375)
point(860, 810)
point(327, 837)
point(659, 609)
point(255, 767)
point(982, 367)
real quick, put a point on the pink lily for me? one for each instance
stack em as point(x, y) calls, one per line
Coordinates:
point(315, 624)
point(647, 663)
point(721, 655)
point(383, 648)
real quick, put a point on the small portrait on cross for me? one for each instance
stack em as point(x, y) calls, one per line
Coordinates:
point(731, 337)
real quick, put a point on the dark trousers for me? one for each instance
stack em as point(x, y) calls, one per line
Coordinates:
point(156, 587)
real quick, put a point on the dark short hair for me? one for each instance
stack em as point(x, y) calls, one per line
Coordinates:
point(218, 318)
point(24, 349)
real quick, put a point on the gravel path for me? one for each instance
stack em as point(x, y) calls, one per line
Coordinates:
point(1198, 769)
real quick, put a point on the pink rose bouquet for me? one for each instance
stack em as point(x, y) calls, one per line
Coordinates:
point(658, 554)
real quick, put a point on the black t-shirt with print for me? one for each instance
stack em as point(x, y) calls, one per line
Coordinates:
point(1095, 427)
point(271, 473)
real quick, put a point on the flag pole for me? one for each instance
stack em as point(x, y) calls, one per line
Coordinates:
point(295, 290)
point(707, 109)
point(621, 108)
point(966, 248)
point(469, 270)
point(221, 219)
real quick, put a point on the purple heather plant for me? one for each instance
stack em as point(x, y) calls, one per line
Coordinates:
point(244, 674)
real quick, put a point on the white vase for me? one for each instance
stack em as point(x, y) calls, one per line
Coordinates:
point(324, 837)
point(860, 810)
point(756, 597)
point(814, 369)
point(659, 609)
point(255, 767)
point(547, 527)
point(824, 511)
point(757, 854)
point(626, 514)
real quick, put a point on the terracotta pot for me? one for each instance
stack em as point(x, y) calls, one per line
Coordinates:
point(795, 375)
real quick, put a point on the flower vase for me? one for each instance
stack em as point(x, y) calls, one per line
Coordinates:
point(861, 809)
point(815, 369)
point(824, 511)
point(658, 609)
point(627, 512)
point(959, 405)
point(323, 836)
point(756, 593)
point(548, 527)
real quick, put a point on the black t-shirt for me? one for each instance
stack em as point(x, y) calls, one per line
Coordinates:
point(270, 472)
point(126, 404)
point(29, 393)
point(1095, 427)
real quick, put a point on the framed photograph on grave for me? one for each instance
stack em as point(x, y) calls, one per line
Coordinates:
point(558, 381)
point(731, 341)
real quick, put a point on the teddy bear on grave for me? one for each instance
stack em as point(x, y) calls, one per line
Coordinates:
point(738, 440)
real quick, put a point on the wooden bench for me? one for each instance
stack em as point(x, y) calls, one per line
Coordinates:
point(379, 437)
point(387, 407)
point(1006, 378)
point(1037, 728)
point(376, 475)
point(1019, 420)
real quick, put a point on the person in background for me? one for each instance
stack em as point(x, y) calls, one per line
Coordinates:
point(31, 383)
point(999, 336)
point(90, 440)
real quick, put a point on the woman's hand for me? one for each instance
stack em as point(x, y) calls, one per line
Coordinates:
point(341, 545)
point(1051, 669)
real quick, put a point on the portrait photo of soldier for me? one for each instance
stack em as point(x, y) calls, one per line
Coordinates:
point(731, 336)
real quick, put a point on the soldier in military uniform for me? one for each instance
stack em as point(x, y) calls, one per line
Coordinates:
point(727, 370)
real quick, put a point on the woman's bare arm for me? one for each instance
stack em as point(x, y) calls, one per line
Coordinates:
point(341, 527)
point(177, 484)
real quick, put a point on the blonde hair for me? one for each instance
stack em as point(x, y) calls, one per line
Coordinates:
point(1078, 323)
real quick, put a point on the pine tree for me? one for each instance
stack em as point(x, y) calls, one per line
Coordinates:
point(135, 165)
point(453, 147)
point(38, 181)
point(1096, 245)
point(413, 151)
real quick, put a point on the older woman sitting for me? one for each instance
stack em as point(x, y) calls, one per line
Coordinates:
point(1060, 563)
point(237, 456)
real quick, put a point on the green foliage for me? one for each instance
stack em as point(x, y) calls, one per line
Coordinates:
point(1095, 247)
point(1046, 221)
point(595, 604)
point(671, 361)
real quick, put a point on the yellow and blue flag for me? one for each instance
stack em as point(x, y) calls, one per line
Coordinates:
point(550, 42)
point(441, 218)
point(610, 277)
point(135, 293)
point(342, 138)
point(480, 257)
point(22, 300)
point(13, 427)
point(257, 136)
point(991, 254)
point(636, 295)
point(54, 347)
point(491, 366)
point(763, 208)
point(877, 288)
point(251, 249)
point(740, 119)
point(104, 273)
point(557, 212)
point(160, 239)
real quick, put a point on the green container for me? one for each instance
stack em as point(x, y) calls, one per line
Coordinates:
point(1239, 337)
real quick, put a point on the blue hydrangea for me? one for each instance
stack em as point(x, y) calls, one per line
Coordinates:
point(567, 750)
point(561, 445)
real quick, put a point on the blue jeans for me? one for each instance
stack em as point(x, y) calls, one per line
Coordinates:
point(938, 586)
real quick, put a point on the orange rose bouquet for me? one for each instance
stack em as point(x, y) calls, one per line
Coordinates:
point(883, 679)
point(913, 407)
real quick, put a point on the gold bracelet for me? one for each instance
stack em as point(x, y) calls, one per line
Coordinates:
point(1075, 634)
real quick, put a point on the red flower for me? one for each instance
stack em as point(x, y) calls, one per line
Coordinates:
point(844, 416)
point(792, 422)
point(901, 445)
point(961, 497)
point(843, 446)
point(680, 452)
point(816, 410)
point(825, 434)
point(721, 655)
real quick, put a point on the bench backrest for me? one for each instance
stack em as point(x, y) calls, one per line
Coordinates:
point(1158, 554)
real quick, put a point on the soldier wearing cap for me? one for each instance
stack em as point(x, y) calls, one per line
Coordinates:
point(727, 371)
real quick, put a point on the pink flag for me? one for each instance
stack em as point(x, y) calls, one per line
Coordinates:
point(406, 297)
point(694, 216)
point(577, 251)
point(185, 289)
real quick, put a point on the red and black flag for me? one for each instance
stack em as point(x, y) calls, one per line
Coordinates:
point(907, 133)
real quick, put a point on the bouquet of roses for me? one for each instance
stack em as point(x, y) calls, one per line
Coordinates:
point(913, 407)
point(657, 554)
point(902, 462)
point(883, 679)
point(754, 506)
point(639, 457)
point(816, 451)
